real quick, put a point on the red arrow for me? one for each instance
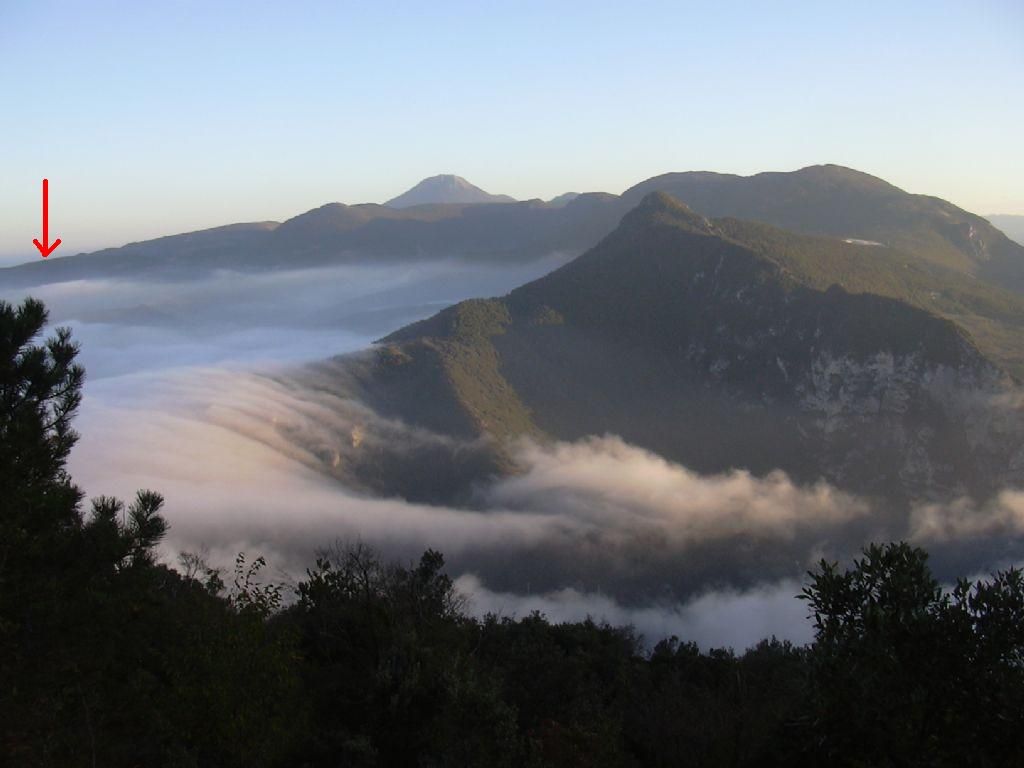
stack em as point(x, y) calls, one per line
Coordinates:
point(44, 247)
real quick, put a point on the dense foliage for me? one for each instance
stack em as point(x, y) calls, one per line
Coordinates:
point(109, 657)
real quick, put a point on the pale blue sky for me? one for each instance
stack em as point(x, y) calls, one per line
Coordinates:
point(156, 117)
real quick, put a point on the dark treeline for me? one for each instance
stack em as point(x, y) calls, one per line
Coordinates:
point(110, 658)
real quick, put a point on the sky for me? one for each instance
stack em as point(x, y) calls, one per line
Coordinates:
point(162, 117)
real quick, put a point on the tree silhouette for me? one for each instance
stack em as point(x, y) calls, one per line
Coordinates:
point(906, 673)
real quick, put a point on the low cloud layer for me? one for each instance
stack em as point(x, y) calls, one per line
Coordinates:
point(613, 486)
point(280, 316)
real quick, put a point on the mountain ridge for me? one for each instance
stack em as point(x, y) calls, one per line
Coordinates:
point(841, 202)
point(697, 340)
point(828, 200)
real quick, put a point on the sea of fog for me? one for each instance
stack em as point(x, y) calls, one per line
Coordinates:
point(191, 392)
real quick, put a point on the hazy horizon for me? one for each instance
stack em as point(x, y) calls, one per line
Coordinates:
point(16, 258)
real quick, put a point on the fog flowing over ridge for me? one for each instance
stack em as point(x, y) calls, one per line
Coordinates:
point(239, 432)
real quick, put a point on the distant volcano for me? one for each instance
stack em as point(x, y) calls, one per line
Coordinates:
point(445, 188)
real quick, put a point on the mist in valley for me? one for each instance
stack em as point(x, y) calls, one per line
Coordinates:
point(230, 397)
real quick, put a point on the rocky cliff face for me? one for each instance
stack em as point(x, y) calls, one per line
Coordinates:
point(904, 425)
